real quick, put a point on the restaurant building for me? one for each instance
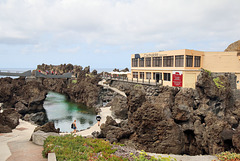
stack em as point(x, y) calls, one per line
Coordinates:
point(180, 68)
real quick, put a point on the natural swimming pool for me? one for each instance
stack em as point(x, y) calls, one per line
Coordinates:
point(63, 112)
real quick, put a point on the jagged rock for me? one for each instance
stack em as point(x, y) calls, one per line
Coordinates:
point(119, 107)
point(38, 137)
point(9, 119)
point(39, 118)
point(236, 140)
point(48, 127)
point(21, 108)
point(111, 130)
point(5, 129)
point(234, 46)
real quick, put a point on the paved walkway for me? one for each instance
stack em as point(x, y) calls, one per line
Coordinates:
point(16, 146)
point(113, 89)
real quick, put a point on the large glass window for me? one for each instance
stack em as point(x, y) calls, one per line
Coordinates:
point(167, 76)
point(157, 61)
point(141, 75)
point(135, 74)
point(197, 61)
point(141, 62)
point(134, 62)
point(148, 62)
point(179, 61)
point(189, 61)
point(168, 61)
point(148, 75)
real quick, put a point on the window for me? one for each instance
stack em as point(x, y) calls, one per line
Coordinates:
point(134, 62)
point(135, 74)
point(141, 75)
point(168, 61)
point(148, 62)
point(197, 61)
point(189, 61)
point(141, 62)
point(157, 76)
point(148, 75)
point(179, 59)
point(157, 61)
point(167, 76)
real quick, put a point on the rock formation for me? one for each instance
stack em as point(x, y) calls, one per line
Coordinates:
point(204, 120)
point(9, 119)
point(119, 107)
point(27, 96)
point(234, 46)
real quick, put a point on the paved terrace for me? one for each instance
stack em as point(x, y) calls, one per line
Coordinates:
point(135, 80)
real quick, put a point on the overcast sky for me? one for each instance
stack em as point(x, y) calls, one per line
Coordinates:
point(104, 33)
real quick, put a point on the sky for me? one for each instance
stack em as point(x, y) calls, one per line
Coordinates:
point(104, 33)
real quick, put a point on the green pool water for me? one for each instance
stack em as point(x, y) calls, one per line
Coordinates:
point(63, 113)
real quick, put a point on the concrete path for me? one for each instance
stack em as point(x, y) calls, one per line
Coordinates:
point(16, 146)
point(101, 83)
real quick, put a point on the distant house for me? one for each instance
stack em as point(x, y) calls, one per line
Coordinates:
point(181, 67)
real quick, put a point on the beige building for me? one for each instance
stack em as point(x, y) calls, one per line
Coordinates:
point(181, 67)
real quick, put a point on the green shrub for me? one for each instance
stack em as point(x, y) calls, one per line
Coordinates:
point(144, 157)
point(209, 72)
point(218, 82)
point(74, 81)
point(227, 156)
point(71, 147)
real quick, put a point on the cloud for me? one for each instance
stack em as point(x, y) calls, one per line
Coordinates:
point(61, 26)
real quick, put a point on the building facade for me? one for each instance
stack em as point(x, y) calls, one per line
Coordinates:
point(180, 68)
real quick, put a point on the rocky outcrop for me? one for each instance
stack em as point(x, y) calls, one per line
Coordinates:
point(9, 119)
point(25, 97)
point(204, 120)
point(119, 107)
point(39, 118)
point(48, 127)
point(234, 46)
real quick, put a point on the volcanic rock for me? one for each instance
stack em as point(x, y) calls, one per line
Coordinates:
point(39, 118)
point(9, 119)
point(119, 107)
point(48, 127)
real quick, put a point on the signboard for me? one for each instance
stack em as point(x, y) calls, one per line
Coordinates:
point(177, 78)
